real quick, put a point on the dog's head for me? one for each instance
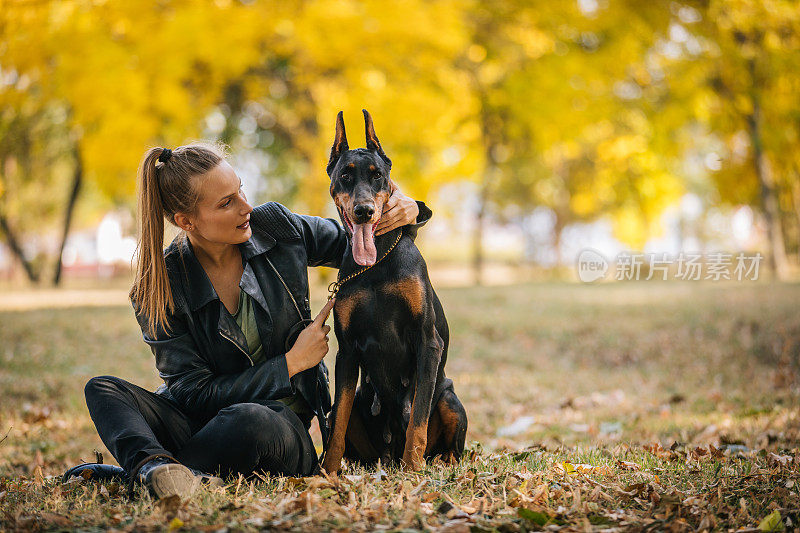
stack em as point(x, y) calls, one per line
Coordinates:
point(359, 188)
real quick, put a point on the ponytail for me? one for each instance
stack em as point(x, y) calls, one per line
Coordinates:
point(165, 186)
point(151, 291)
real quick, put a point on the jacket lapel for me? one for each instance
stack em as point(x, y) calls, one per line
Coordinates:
point(228, 328)
point(197, 286)
point(251, 286)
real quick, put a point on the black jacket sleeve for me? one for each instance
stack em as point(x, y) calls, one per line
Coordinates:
point(192, 382)
point(423, 217)
point(324, 238)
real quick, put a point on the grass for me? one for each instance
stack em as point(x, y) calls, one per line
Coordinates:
point(635, 406)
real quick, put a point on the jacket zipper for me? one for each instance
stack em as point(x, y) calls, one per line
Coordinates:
point(239, 347)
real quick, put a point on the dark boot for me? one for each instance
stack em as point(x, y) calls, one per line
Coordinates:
point(96, 472)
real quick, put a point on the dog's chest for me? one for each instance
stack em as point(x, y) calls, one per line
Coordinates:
point(380, 310)
point(380, 327)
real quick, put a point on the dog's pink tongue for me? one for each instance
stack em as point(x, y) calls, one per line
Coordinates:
point(364, 251)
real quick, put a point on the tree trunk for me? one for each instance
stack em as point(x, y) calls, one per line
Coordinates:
point(477, 243)
point(16, 249)
point(77, 179)
point(769, 198)
point(558, 227)
point(796, 201)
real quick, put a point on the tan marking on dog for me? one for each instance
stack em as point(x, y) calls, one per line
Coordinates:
point(450, 420)
point(378, 212)
point(381, 198)
point(411, 290)
point(351, 165)
point(372, 167)
point(434, 431)
point(344, 307)
point(380, 202)
point(333, 457)
point(416, 440)
point(344, 202)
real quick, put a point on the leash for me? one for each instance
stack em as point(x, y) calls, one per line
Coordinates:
point(333, 288)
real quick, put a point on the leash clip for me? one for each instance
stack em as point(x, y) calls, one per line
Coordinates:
point(333, 288)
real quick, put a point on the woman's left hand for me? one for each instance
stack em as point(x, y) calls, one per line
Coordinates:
point(399, 210)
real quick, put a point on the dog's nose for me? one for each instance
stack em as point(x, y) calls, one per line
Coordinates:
point(364, 212)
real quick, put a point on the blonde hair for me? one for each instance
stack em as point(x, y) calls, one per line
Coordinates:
point(164, 189)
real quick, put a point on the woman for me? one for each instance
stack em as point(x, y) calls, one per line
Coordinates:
point(220, 309)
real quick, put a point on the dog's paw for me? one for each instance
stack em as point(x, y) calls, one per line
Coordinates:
point(331, 468)
point(412, 462)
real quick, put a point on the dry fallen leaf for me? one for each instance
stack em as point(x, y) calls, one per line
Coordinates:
point(580, 468)
point(55, 519)
point(780, 460)
point(430, 496)
point(627, 465)
point(168, 506)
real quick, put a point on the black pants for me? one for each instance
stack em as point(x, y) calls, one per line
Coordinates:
point(135, 423)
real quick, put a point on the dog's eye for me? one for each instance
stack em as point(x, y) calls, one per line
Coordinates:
point(377, 176)
point(345, 177)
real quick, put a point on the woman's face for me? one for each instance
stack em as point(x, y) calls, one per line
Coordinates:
point(223, 214)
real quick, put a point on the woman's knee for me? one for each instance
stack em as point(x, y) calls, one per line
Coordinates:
point(101, 384)
point(248, 414)
point(260, 437)
point(255, 422)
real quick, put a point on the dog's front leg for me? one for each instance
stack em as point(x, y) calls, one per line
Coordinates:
point(346, 380)
point(428, 358)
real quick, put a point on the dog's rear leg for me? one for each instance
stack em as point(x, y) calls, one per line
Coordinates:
point(428, 359)
point(346, 379)
point(451, 419)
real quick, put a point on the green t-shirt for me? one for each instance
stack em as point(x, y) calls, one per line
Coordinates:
point(246, 319)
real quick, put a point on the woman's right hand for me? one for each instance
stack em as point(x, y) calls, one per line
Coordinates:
point(312, 343)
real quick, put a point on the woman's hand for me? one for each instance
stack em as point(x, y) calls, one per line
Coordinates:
point(399, 210)
point(312, 343)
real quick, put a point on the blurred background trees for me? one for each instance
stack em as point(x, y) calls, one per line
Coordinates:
point(589, 110)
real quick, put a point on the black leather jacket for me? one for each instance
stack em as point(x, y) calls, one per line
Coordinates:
point(204, 360)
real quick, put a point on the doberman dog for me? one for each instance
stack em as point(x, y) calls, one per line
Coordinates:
point(390, 325)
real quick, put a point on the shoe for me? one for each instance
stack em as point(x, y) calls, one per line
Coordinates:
point(206, 479)
point(96, 472)
point(165, 477)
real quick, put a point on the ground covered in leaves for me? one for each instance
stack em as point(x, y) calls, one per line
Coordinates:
point(646, 406)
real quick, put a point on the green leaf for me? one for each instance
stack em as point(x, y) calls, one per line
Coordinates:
point(599, 520)
point(772, 522)
point(325, 493)
point(533, 516)
point(477, 528)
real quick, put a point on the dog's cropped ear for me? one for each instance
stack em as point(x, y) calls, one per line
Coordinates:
point(372, 140)
point(339, 143)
